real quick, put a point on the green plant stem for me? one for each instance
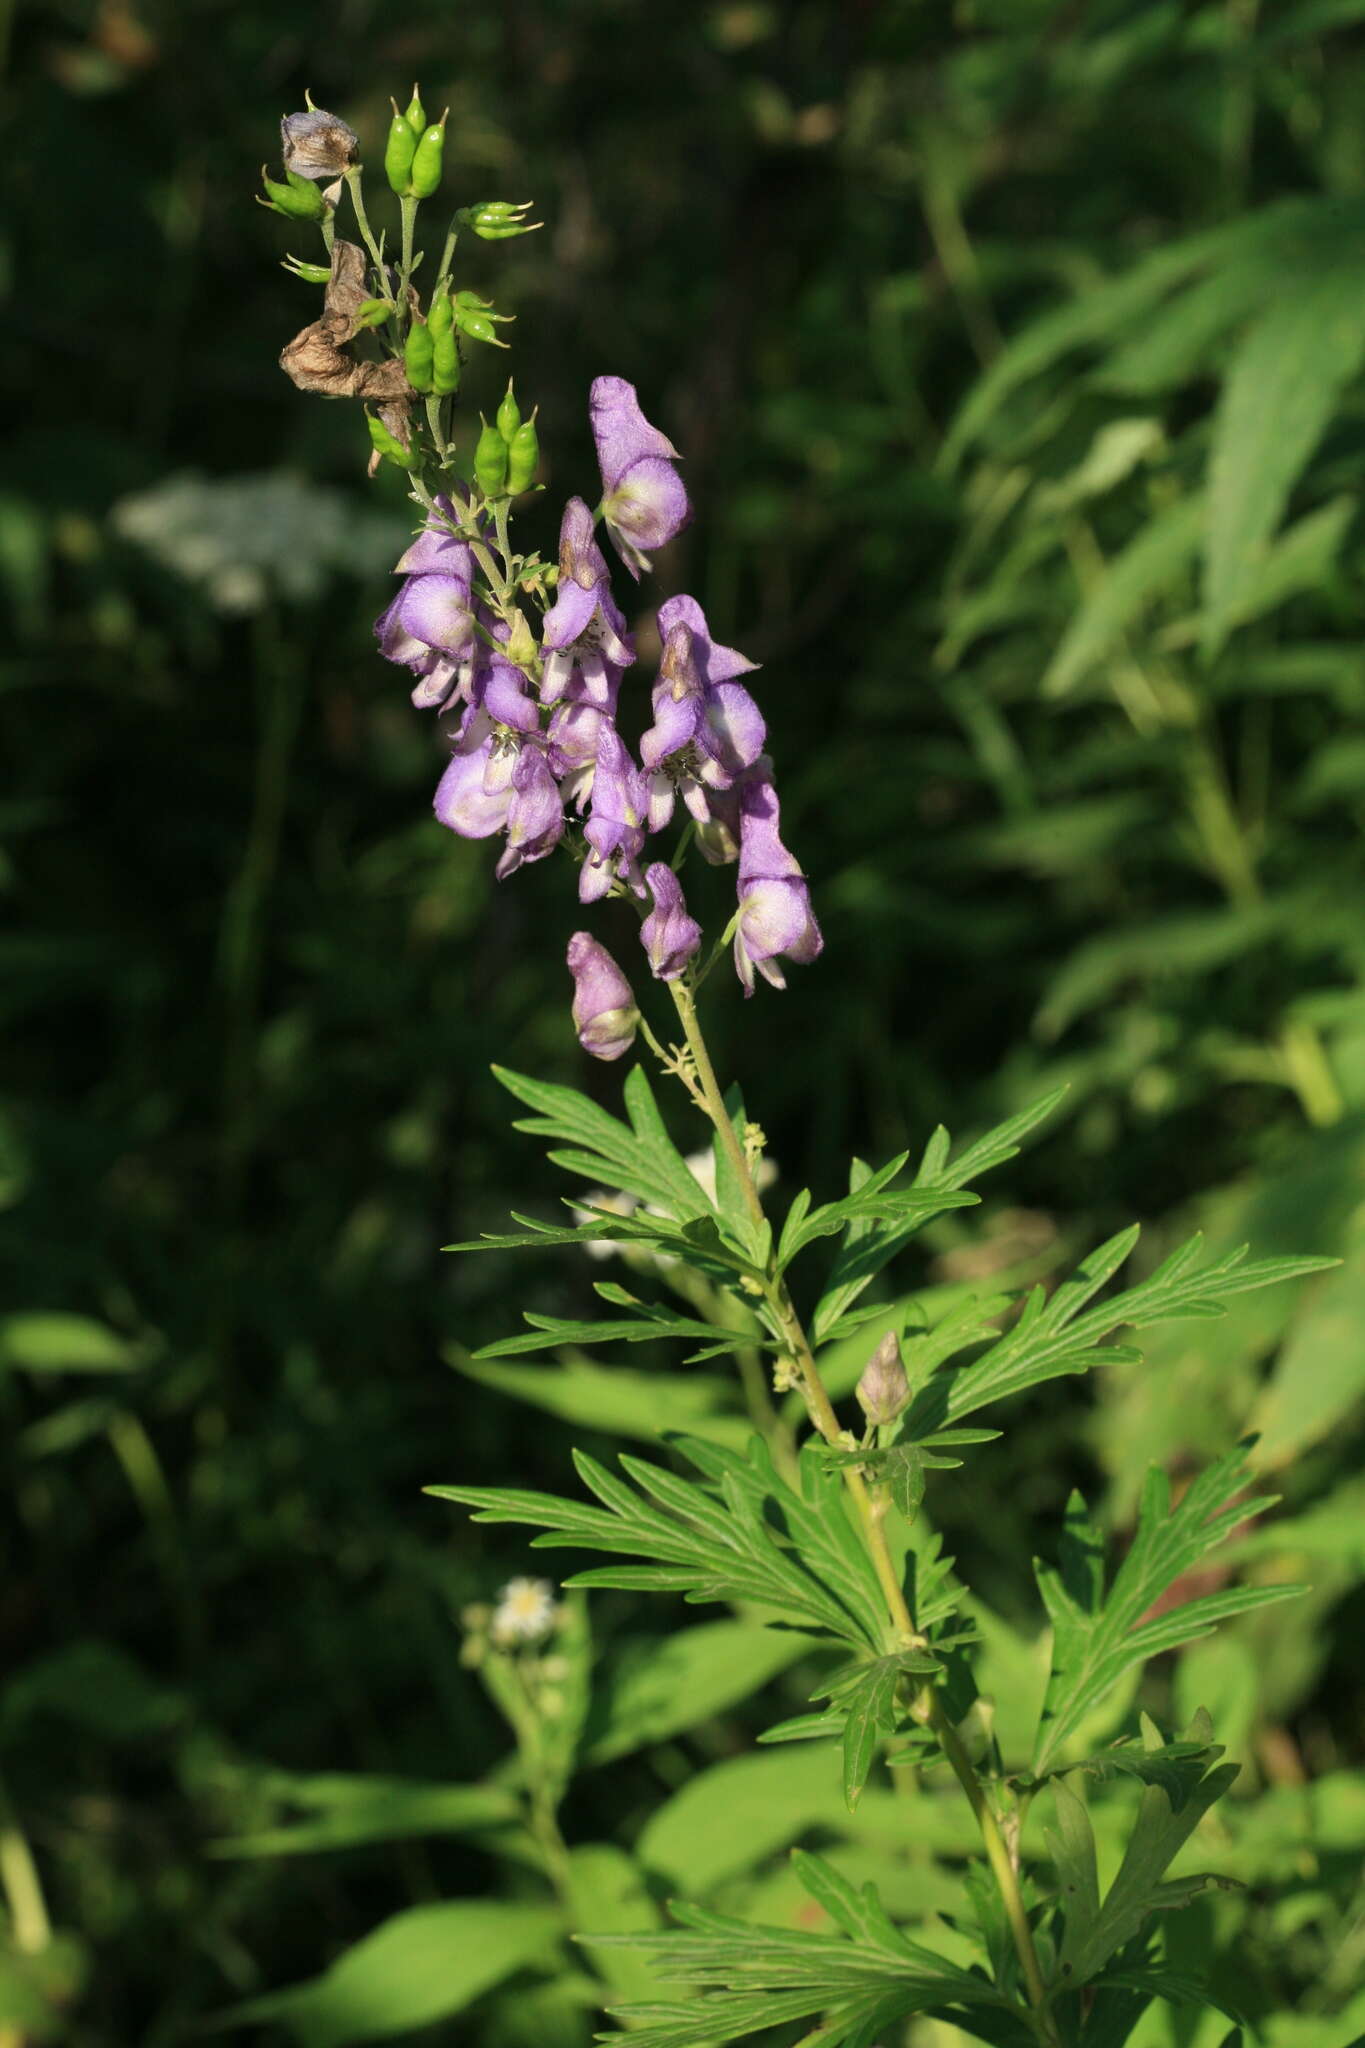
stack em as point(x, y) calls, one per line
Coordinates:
point(408, 212)
point(353, 180)
point(30, 1926)
point(871, 1513)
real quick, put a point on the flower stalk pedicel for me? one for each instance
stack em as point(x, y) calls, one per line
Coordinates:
point(525, 664)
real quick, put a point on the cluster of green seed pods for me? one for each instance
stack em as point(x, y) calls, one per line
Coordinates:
point(413, 152)
point(508, 451)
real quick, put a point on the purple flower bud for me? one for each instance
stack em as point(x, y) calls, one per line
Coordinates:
point(317, 144)
point(604, 1012)
point(775, 916)
point(884, 1389)
point(669, 935)
point(644, 502)
point(535, 816)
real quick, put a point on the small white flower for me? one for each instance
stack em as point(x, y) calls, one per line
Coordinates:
point(525, 1611)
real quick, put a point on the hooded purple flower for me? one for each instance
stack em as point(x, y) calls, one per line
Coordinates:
point(535, 816)
point(707, 728)
point(669, 935)
point(476, 793)
point(774, 902)
point(604, 1012)
point(430, 624)
point(643, 499)
point(576, 726)
point(615, 830)
point(584, 628)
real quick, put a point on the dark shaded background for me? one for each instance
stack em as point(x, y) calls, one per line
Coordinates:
point(251, 991)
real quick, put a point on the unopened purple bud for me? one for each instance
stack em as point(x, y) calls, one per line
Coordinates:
point(670, 937)
point(604, 1012)
point(884, 1389)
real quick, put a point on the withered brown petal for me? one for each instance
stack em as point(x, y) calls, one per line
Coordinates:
point(316, 359)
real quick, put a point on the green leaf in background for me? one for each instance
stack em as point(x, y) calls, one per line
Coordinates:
point(1149, 567)
point(46, 1340)
point(38, 1987)
point(348, 1810)
point(646, 1405)
point(607, 1895)
point(1319, 1376)
point(1098, 1636)
point(1282, 389)
point(419, 1967)
point(653, 1689)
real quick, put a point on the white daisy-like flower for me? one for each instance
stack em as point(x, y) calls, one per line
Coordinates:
point(525, 1611)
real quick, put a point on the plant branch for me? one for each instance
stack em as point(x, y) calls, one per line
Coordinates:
point(871, 1513)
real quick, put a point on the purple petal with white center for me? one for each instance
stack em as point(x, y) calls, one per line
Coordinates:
point(716, 664)
point(645, 509)
point(462, 802)
point(774, 917)
point(435, 689)
point(620, 429)
point(435, 609)
point(670, 937)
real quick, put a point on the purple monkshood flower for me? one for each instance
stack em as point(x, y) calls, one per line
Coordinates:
point(535, 816)
point(429, 627)
point(476, 793)
point(643, 500)
point(604, 1012)
point(576, 726)
point(707, 728)
point(584, 628)
point(669, 935)
point(615, 830)
point(774, 902)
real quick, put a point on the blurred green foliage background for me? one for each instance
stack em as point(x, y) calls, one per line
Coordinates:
point(1016, 353)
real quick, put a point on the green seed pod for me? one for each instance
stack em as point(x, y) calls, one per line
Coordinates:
point(311, 273)
point(415, 114)
point(399, 152)
point(373, 312)
point(418, 355)
point(478, 326)
point(509, 415)
point(388, 445)
point(490, 461)
point(523, 457)
point(441, 314)
point(296, 202)
point(426, 162)
point(445, 363)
